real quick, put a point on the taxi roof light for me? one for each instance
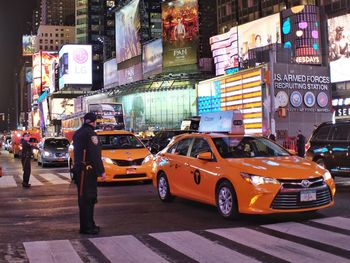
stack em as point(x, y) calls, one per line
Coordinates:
point(222, 121)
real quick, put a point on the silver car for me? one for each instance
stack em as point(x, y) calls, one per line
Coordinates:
point(52, 150)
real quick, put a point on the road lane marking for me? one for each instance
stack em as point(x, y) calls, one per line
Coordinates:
point(54, 179)
point(66, 175)
point(7, 181)
point(51, 252)
point(126, 249)
point(338, 222)
point(200, 248)
point(284, 249)
point(34, 181)
point(312, 233)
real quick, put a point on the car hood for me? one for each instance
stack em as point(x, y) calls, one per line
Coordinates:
point(125, 154)
point(286, 167)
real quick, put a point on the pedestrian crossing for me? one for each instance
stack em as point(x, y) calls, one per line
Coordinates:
point(278, 242)
point(15, 180)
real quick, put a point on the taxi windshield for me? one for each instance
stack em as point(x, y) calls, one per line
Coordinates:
point(248, 147)
point(119, 141)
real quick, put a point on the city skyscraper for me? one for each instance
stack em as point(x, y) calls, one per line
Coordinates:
point(58, 12)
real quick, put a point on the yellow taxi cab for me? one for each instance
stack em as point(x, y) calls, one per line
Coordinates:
point(124, 157)
point(240, 173)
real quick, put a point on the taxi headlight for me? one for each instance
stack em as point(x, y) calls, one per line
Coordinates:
point(327, 175)
point(147, 159)
point(47, 154)
point(257, 180)
point(107, 160)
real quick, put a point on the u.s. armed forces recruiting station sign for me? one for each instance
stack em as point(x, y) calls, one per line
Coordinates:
point(301, 88)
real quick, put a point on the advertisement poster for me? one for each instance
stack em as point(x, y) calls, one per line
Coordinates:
point(180, 32)
point(127, 33)
point(110, 73)
point(130, 74)
point(301, 88)
point(301, 33)
point(75, 64)
point(152, 57)
point(29, 74)
point(225, 51)
point(339, 48)
point(28, 45)
point(258, 33)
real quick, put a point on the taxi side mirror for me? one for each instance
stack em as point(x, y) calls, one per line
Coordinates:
point(205, 156)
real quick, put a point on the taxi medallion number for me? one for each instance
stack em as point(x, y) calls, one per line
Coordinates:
point(306, 196)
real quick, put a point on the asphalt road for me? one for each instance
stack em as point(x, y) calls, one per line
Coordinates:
point(131, 215)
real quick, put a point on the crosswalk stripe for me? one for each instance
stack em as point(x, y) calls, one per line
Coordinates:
point(7, 181)
point(66, 175)
point(54, 179)
point(200, 248)
point(126, 249)
point(34, 181)
point(277, 247)
point(338, 222)
point(312, 233)
point(51, 252)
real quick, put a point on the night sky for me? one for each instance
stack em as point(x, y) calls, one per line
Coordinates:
point(14, 18)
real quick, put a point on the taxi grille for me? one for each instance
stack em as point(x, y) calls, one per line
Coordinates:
point(128, 163)
point(129, 176)
point(290, 198)
point(297, 184)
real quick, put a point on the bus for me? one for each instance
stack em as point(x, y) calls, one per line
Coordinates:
point(109, 115)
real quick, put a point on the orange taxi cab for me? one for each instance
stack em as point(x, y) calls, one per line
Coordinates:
point(240, 173)
point(124, 157)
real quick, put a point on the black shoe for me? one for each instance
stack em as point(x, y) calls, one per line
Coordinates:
point(26, 185)
point(97, 228)
point(93, 231)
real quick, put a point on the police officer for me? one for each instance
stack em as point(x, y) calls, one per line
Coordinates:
point(87, 166)
point(26, 159)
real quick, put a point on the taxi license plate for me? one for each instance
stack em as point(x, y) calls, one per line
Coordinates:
point(306, 196)
point(60, 159)
point(131, 171)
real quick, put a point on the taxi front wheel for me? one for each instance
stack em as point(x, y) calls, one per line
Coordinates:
point(226, 200)
point(164, 189)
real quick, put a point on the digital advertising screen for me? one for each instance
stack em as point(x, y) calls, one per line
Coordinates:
point(130, 74)
point(180, 32)
point(110, 73)
point(28, 45)
point(301, 34)
point(225, 51)
point(152, 57)
point(75, 65)
point(241, 91)
point(339, 47)
point(61, 107)
point(127, 33)
point(29, 74)
point(258, 33)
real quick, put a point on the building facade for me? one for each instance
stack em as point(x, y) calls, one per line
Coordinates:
point(58, 12)
point(51, 37)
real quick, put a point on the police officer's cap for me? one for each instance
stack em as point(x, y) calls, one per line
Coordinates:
point(89, 117)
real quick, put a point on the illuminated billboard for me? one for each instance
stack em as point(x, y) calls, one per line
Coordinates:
point(130, 74)
point(241, 91)
point(300, 88)
point(301, 34)
point(339, 48)
point(258, 33)
point(180, 32)
point(127, 31)
point(110, 73)
point(152, 57)
point(225, 51)
point(42, 71)
point(28, 45)
point(60, 108)
point(75, 65)
point(29, 74)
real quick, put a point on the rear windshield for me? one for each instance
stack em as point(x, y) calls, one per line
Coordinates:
point(248, 147)
point(56, 143)
point(119, 141)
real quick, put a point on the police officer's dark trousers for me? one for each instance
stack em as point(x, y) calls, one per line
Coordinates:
point(87, 198)
point(26, 165)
